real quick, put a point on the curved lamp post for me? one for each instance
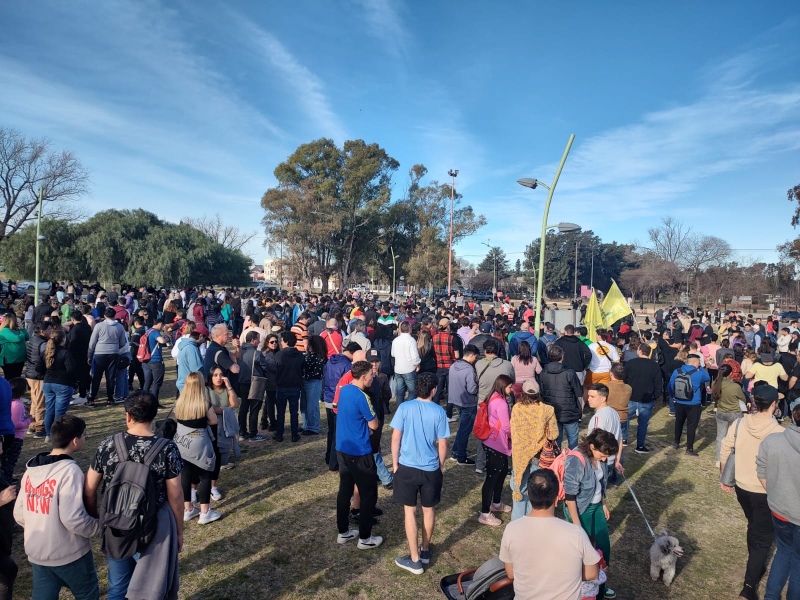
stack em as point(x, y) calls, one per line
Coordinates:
point(533, 184)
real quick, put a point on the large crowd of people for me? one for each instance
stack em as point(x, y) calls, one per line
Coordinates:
point(246, 361)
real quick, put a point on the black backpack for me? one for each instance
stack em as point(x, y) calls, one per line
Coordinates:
point(128, 518)
point(682, 389)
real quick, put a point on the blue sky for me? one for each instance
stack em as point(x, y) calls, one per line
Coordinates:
point(183, 108)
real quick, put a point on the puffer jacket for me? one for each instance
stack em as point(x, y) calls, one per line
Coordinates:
point(34, 349)
point(561, 390)
point(337, 365)
point(12, 345)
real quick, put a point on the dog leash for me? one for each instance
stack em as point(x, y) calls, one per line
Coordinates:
point(639, 506)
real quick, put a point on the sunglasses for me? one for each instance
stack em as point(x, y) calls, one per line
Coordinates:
point(272, 343)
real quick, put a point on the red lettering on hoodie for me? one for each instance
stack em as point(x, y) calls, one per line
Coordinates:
point(39, 497)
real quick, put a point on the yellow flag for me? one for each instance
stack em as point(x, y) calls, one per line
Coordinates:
point(615, 307)
point(593, 319)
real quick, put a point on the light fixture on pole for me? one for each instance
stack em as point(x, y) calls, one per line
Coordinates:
point(533, 184)
point(394, 275)
point(39, 238)
point(453, 174)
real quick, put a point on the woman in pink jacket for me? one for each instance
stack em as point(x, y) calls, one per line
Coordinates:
point(498, 449)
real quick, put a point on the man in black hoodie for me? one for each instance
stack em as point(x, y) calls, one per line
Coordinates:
point(288, 382)
point(78, 342)
point(577, 355)
point(562, 390)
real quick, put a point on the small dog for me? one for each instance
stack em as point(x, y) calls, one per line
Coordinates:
point(664, 555)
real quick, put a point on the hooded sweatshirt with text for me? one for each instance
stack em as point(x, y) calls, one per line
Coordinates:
point(50, 508)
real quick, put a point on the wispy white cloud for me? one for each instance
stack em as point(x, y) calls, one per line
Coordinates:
point(309, 89)
point(386, 25)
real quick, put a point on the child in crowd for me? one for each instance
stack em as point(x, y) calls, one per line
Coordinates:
point(50, 508)
point(21, 420)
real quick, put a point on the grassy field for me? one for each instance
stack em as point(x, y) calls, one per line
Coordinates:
point(277, 538)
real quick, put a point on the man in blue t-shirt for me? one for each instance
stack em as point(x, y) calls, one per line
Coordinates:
point(154, 369)
point(354, 421)
point(419, 449)
point(688, 411)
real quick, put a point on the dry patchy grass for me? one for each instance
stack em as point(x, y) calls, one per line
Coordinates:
point(277, 538)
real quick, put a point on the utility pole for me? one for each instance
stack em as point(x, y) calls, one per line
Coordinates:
point(452, 174)
point(39, 239)
point(394, 275)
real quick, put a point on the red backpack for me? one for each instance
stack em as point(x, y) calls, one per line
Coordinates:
point(481, 429)
point(559, 466)
point(143, 354)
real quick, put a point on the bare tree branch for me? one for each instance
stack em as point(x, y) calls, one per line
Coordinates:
point(228, 236)
point(26, 166)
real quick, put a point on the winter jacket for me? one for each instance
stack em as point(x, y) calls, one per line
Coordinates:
point(384, 348)
point(62, 371)
point(108, 337)
point(752, 432)
point(577, 355)
point(500, 423)
point(12, 345)
point(337, 365)
point(78, 340)
point(405, 353)
point(580, 480)
point(34, 348)
point(561, 390)
point(547, 338)
point(462, 384)
point(777, 462)
point(488, 371)
point(49, 506)
point(289, 363)
point(189, 361)
point(252, 360)
point(521, 336)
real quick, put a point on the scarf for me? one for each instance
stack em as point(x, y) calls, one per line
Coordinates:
point(529, 422)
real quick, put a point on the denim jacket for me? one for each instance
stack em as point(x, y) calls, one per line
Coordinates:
point(580, 481)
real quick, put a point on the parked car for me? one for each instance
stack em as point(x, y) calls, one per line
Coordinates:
point(790, 315)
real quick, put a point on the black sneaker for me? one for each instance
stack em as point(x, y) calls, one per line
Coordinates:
point(691, 452)
point(389, 486)
point(676, 445)
point(624, 443)
point(641, 449)
point(467, 462)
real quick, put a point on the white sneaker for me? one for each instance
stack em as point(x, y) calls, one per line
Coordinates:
point(209, 517)
point(188, 515)
point(194, 496)
point(370, 543)
point(452, 419)
point(343, 538)
point(216, 494)
point(78, 401)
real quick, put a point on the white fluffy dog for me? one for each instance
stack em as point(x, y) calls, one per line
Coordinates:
point(664, 555)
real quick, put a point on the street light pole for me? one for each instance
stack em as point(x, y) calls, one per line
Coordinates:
point(394, 276)
point(552, 188)
point(494, 264)
point(452, 174)
point(575, 287)
point(38, 241)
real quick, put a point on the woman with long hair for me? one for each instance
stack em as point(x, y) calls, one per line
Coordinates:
point(585, 479)
point(426, 353)
point(12, 346)
point(631, 348)
point(498, 449)
point(169, 313)
point(314, 359)
point(195, 416)
point(727, 395)
point(526, 367)
point(270, 349)
point(58, 367)
point(532, 424)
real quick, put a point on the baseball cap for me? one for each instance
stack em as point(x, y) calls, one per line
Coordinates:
point(373, 356)
point(530, 387)
point(444, 322)
point(485, 327)
point(766, 391)
point(202, 329)
point(550, 327)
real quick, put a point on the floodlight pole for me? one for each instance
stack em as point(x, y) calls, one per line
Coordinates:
point(452, 174)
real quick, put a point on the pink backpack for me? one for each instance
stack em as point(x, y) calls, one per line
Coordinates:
point(559, 466)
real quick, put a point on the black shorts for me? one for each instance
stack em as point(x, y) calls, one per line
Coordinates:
point(411, 483)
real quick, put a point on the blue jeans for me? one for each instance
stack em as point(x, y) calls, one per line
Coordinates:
point(572, 433)
point(120, 572)
point(292, 397)
point(56, 402)
point(403, 383)
point(466, 418)
point(309, 404)
point(786, 563)
point(642, 421)
point(383, 473)
point(79, 576)
point(521, 508)
point(122, 389)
